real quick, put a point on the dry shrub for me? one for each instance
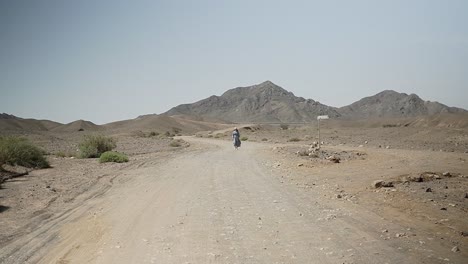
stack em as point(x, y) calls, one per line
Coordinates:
point(94, 146)
point(112, 156)
point(21, 152)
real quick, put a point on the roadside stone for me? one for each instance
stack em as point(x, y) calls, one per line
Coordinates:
point(400, 235)
point(387, 184)
point(380, 183)
point(377, 184)
point(334, 159)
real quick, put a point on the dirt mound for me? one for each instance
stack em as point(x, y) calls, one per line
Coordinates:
point(13, 123)
point(79, 125)
point(162, 123)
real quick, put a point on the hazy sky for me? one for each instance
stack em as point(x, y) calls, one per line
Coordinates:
point(111, 60)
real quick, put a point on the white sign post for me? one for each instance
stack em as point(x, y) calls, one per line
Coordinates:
point(318, 126)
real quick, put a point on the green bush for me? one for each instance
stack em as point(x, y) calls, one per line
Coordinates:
point(21, 152)
point(244, 138)
point(294, 140)
point(94, 146)
point(112, 156)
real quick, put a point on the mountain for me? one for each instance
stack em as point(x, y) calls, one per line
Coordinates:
point(265, 102)
point(11, 122)
point(393, 104)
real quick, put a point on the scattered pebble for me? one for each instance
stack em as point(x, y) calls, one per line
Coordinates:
point(455, 249)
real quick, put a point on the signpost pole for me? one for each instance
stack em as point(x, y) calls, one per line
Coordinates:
point(318, 127)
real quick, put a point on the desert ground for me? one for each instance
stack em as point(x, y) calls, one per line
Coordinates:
point(379, 193)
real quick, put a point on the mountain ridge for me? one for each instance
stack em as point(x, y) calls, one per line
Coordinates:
point(268, 102)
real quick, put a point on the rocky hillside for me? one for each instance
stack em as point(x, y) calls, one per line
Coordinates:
point(265, 102)
point(393, 104)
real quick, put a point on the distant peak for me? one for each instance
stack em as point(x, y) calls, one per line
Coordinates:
point(267, 83)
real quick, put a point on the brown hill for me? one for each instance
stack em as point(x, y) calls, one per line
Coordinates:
point(13, 123)
point(79, 125)
point(163, 123)
point(393, 104)
point(265, 102)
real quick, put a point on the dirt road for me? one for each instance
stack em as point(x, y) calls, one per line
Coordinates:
point(213, 204)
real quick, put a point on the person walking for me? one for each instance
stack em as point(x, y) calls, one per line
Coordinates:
point(236, 138)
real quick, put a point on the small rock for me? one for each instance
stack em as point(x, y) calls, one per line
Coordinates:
point(334, 159)
point(453, 205)
point(387, 184)
point(365, 142)
point(387, 147)
point(428, 190)
point(48, 186)
point(400, 235)
point(446, 174)
point(377, 184)
point(300, 164)
point(339, 196)
point(463, 233)
point(455, 249)
point(361, 146)
point(385, 231)
point(466, 195)
point(443, 209)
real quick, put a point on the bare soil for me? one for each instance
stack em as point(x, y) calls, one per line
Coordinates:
point(264, 203)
